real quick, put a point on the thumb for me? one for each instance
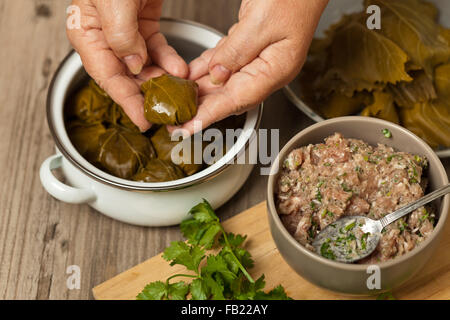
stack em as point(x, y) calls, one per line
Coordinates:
point(121, 29)
point(243, 44)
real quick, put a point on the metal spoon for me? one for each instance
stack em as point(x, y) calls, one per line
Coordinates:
point(353, 238)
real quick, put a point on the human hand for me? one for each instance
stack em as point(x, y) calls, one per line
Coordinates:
point(262, 53)
point(121, 47)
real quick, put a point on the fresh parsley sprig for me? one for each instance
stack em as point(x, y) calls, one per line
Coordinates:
point(220, 276)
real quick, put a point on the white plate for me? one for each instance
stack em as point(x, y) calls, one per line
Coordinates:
point(333, 14)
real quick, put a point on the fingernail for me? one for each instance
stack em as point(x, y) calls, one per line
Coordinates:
point(219, 74)
point(134, 63)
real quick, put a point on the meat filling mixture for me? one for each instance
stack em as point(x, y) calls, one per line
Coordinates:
point(323, 182)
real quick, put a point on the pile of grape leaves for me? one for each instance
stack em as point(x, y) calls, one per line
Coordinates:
point(399, 73)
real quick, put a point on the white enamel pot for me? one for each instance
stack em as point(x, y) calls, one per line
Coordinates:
point(145, 204)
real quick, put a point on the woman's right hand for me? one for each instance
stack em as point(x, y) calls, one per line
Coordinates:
point(121, 47)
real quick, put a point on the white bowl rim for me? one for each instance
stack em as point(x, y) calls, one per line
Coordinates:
point(356, 267)
point(56, 96)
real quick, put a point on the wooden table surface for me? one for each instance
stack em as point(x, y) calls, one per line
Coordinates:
point(40, 236)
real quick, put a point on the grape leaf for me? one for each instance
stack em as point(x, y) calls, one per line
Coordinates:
point(406, 94)
point(363, 58)
point(430, 121)
point(383, 107)
point(404, 22)
point(442, 82)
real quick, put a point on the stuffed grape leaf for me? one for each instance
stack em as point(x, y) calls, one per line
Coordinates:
point(123, 151)
point(91, 104)
point(158, 170)
point(116, 116)
point(170, 100)
point(85, 138)
point(163, 145)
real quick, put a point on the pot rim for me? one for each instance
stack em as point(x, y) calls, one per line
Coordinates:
point(273, 213)
point(85, 167)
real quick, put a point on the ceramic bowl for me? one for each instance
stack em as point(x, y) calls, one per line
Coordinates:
point(146, 204)
point(353, 278)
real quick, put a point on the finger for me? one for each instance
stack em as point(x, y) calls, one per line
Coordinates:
point(205, 86)
point(121, 29)
point(243, 45)
point(210, 111)
point(165, 56)
point(245, 89)
point(199, 66)
point(150, 72)
point(109, 72)
point(122, 88)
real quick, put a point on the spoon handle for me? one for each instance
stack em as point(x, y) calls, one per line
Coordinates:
point(414, 205)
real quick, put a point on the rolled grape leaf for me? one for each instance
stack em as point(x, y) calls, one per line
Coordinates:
point(158, 170)
point(412, 25)
point(163, 145)
point(90, 104)
point(430, 121)
point(407, 94)
point(382, 107)
point(85, 138)
point(123, 151)
point(170, 100)
point(117, 116)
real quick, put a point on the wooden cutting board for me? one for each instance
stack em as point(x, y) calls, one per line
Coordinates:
point(433, 282)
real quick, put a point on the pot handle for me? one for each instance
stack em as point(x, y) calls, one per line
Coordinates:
point(58, 189)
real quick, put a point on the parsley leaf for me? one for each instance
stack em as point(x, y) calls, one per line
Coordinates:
point(153, 291)
point(277, 293)
point(178, 290)
point(217, 264)
point(181, 253)
point(203, 227)
point(199, 290)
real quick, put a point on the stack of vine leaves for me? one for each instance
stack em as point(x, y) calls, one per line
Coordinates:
point(399, 73)
point(221, 276)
